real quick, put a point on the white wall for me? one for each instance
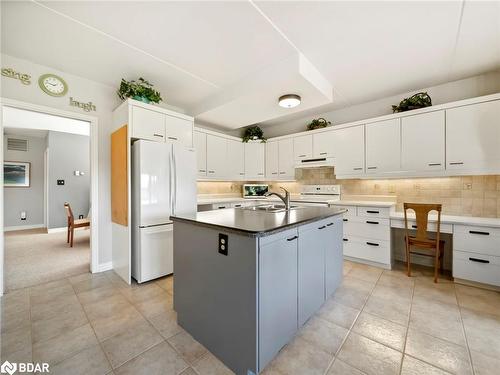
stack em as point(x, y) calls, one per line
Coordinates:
point(484, 84)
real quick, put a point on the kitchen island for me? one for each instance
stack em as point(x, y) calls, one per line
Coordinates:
point(246, 280)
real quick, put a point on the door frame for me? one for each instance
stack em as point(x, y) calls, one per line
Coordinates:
point(94, 175)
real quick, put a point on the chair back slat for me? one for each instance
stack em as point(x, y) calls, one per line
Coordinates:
point(69, 213)
point(422, 217)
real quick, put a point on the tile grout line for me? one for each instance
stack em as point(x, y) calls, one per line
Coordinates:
point(464, 332)
point(353, 323)
point(407, 327)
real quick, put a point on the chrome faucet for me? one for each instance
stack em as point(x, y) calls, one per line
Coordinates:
point(285, 198)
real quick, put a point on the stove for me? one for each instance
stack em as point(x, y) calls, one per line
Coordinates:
point(318, 195)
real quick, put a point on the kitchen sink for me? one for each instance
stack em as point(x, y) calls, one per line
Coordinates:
point(269, 208)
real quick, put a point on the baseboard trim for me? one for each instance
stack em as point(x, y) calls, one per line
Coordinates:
point(23, 227)
point(105, 267)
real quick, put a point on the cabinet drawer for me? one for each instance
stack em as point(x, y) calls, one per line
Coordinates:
point(480, 268)
point(350, 210)
point(370, 228)
point(371, 250)
point(480, 240)
point(373, 211)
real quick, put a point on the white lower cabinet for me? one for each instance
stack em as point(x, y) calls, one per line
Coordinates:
point(476, 254)
point(367, 235)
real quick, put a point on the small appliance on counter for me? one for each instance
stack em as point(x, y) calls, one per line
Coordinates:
point(255, 191)
point(318, 195)
point(163, 184)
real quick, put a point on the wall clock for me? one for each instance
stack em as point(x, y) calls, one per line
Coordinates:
point(53, 85)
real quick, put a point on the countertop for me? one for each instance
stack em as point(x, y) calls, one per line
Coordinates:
point(452, 219)
point(255, 223)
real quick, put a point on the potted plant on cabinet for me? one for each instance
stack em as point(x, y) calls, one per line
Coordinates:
point(419, 100)
point(318, 124)
point(140, 90)
point(253, 133)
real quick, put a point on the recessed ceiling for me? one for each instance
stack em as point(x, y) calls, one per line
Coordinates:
point(228, 62)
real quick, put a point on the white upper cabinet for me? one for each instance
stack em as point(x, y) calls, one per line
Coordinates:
point(323, 144)
point(383, 146)
point(473, 137)
point(216, 156)
point(255, 160)
point(236, 159)
point(349, 146)
point(179, 129)
point(200, 147)
point(147, 124)
point(422, 142)
point(272, 160)
point(303, 147)
point(285, 160)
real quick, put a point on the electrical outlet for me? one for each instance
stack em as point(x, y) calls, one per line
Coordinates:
point(60, 182)
point(23, 215)
point(223, 244)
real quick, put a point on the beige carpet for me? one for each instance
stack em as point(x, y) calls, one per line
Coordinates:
point(33, 257)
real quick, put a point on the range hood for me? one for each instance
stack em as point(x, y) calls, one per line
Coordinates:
point(315, 163)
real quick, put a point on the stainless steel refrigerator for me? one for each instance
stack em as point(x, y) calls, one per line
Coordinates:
point(163, 184)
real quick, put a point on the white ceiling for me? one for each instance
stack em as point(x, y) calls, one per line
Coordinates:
point(227, 62)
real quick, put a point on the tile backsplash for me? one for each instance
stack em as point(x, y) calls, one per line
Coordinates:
point(464, 195)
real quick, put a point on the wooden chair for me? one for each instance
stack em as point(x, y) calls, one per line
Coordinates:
point(428, 246)
point(72, 223)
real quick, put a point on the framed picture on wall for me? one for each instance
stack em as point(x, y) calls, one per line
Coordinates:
point(16, 174)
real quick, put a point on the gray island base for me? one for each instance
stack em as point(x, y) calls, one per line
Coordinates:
point(246, 281)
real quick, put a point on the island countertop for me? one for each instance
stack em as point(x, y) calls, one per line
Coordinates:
point(257, 223)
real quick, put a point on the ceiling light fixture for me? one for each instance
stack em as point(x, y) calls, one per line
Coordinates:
point(289, 101)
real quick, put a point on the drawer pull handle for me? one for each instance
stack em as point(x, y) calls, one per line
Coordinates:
point(457, 163)
point(323, 153)
point(372, 222)
point(211, 171)
point(237, 205)
point(201, 170)
point(434, 164)
point(292, 238)
point(372, 212)
point(302, 156)
point(282, 172)
point(479, 232)
point(220, 207)
point(372, 244)
point(371, 168)
point(329, 224)
point(242, 174)
point(345, 239)
point(260, 174)
point(322, 227)
point(274, 173)
point(174, 138)
point(479, 260)
point(158, 135)
point(358, 169)
point(345, 219)
point(414, 226)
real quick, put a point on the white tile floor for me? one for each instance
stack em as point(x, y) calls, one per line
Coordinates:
point(378, 322)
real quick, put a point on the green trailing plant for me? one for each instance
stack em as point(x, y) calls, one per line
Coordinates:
point(318, 123)
point(420, 100)
point(253, 133)
point(140, 90)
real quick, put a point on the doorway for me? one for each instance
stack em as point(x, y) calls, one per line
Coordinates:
point(53, 154)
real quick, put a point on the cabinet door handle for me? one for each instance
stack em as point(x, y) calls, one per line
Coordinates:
point(345, 239)
point(220, 207)
point(242, 173)
point(274, 173)
point(372, 244)
point(282, 172)
point(260, 174)
point(201, 170)
point(173, 138)
point(158, 135)
point(479, 232)
point(372, 222)
point(211, 171)
point(323, 153)
point(456, 163)
point(372, 212)
point(302, 156)
point(414, 226)
point(434, 164)
point(479, 260)
point(329, 224)
point(292, 238)
point(322, 227)
point(345, 219)
point(358, 169)
point(371, 167)
point(237, 205)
